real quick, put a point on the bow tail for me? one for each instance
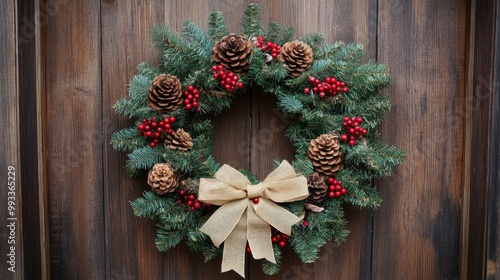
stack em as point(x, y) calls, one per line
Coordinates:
point(259, 236)
point(234, 248)
point(275, 215)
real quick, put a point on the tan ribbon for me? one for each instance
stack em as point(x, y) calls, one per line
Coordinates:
point(239, 219)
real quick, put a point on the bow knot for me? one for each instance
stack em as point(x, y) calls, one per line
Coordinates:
point(255, 190)
point(238, 220)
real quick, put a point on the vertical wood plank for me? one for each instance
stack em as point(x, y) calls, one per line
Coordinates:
point(348, 21)
point(33, 212)
point(74, 143)
point(483, 227)
point(129, 24)
point(11, 266)
point(416, 231)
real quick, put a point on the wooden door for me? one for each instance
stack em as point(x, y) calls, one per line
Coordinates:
point(88, 51)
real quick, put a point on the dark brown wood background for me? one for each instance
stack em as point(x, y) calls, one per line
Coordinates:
point(85, 52)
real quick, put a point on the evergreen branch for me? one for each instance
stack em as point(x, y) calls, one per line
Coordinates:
point(127, 139)
point(251, 21)
point(315, 41)
point(194, 34)
point(217, 26)
point(270, 268)
point(148, 71)
point(144, 158)
point(165, 40)
point(279, 34)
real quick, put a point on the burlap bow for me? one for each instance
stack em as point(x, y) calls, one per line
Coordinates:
point(240, 219)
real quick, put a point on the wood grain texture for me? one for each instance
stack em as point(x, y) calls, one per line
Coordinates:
point(483, 252)
point(29, 150)
point(348, 21)
point(92, 49)
point(416, 231)
point(73, 139)
point(9, 143)
point(493, 234)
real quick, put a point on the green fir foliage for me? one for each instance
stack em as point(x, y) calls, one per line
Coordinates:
point(188, 56)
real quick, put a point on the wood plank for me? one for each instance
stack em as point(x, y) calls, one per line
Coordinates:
point(125, 232)
point(416, 231)
point(33, 213)
point(348, 21)
point(493, 234)
point(483, 251)
point(74, 144)
point(11, 244)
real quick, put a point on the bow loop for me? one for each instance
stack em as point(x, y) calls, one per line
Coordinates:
point(239, 220)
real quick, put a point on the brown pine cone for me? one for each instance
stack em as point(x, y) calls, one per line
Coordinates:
point(297, 56)
point(163, 179)
point(165, 94)
point(179, 140)
point(317, 188)
point(233, 53)
point(325, 154)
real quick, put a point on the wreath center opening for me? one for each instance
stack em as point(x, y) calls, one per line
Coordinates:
point(251, 134)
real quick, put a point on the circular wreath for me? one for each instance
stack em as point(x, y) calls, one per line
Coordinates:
point(333, 105)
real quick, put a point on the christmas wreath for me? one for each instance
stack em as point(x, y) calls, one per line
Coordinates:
point(333, 105)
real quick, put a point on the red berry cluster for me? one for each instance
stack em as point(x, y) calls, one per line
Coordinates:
point(279, 237)
point(191, 97)
point(191, 201)
point(353, 130)
point(335, 188)
point(227, 79)
point(155, 130)
point(330, 86)
point(270, 47)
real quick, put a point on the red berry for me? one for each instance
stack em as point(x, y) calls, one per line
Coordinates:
point(359, 119)
point(312, 79)
point(352, 142)
point(195, 104)
point(331, 194)
point(189, 107)
point(152, 144)
point(140, 127)
point(172, 119)
point(149, 134)
point(343, 137)
point(282, 244)
point(274, 239)
point(191, 197)
point(305, 223)
point(343, 191)
point(190, 88)
point(338, 194)
point(321, 94)
point(197, 205)
point(182, 192)
point(331, 187)
point(214, 68)
point(346, 89)
point(220, 67)
point(331, 180)
point(240, 85)
point(255, 200)
point(307, 90)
